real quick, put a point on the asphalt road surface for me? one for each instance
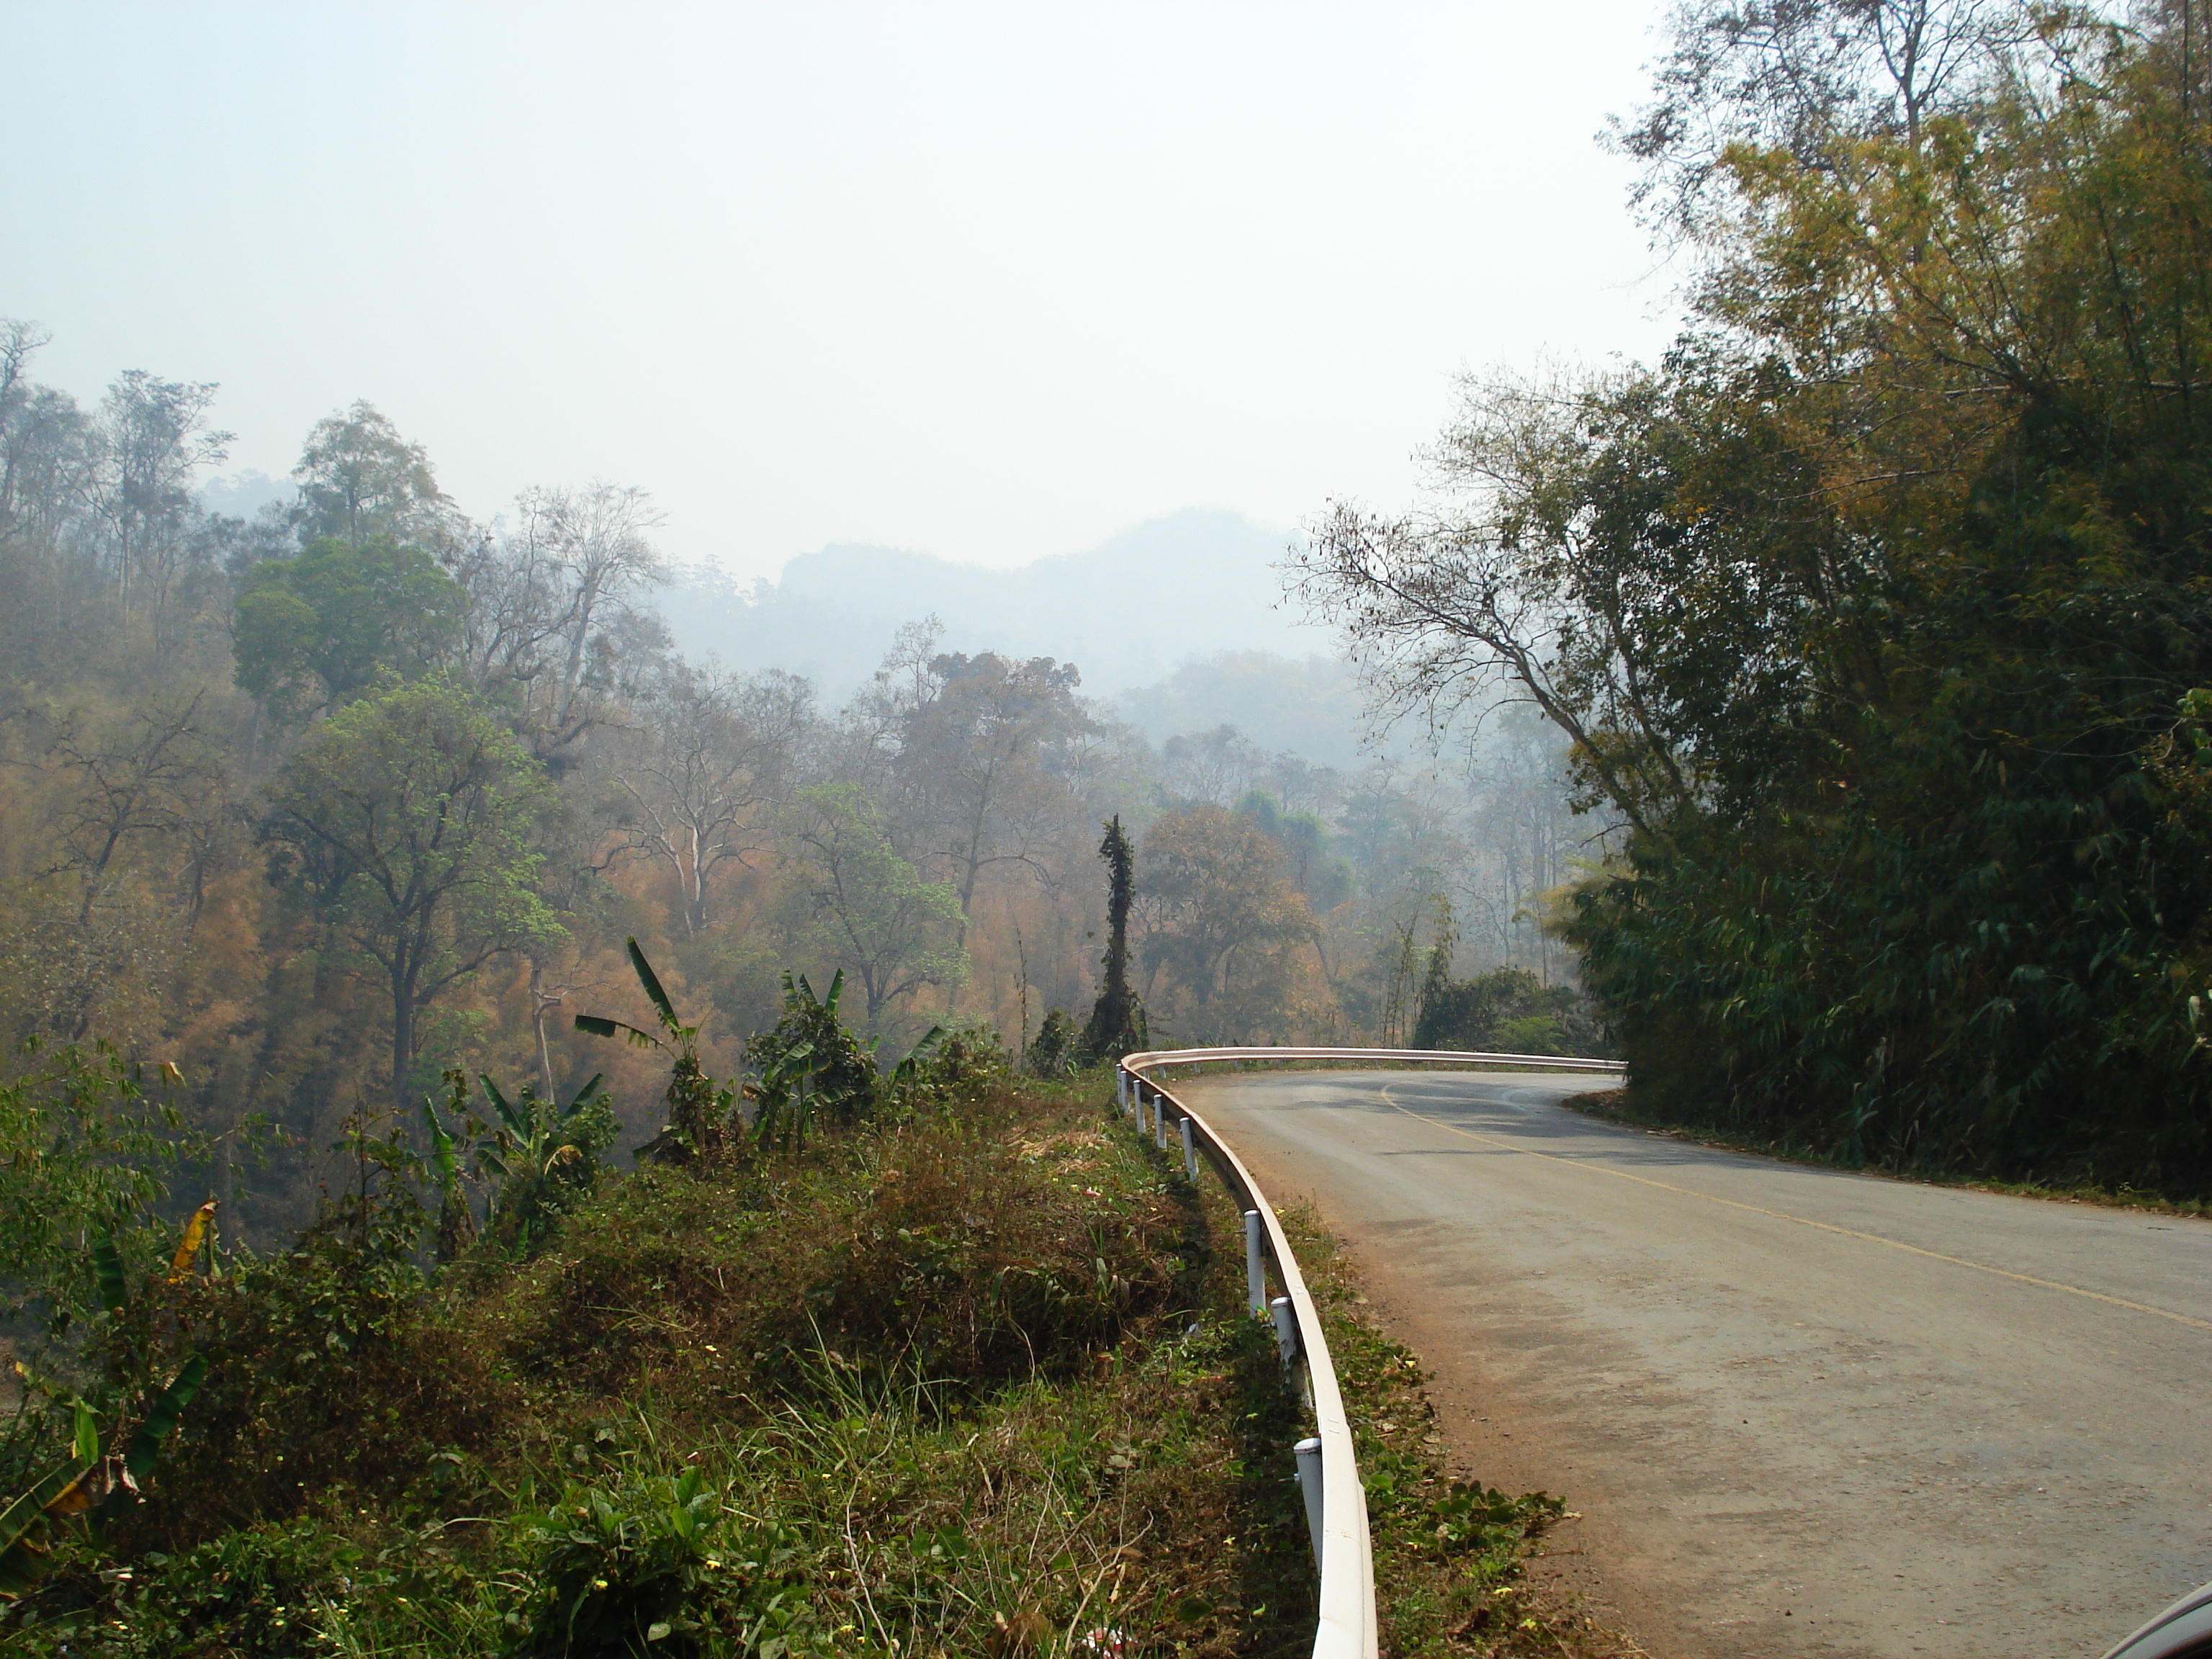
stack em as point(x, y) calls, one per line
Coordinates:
point(1801, 1412)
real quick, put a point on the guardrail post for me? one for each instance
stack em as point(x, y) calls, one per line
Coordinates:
point(1286, 1329)
point(1255, 1266)
point(1309, 1456)
point(1190, 1153)
point(1120, 1089)
point(1160, 1122)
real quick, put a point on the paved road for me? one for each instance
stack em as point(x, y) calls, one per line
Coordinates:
point(1803, 1412)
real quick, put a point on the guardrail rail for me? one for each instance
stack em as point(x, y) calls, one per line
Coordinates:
point(1328, 1470)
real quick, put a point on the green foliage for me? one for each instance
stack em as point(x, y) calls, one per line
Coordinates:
point(1504, 1011)
point(809, 1066)
point(961, 1066)
point(698, 1112)
point(1324, 878)
point(409, 820)
point(1870, 610)
point(86, 1152)
point(318, 629)
point(325, 1367)
point(621, 1571)
point(547, 1159)
point(978, 1370)
point(1057, 1049)
point(28, 1522)
point(1117, 1026)
point(856, 904)
point(360, 480)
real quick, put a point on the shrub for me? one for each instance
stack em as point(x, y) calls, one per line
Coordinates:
point(621, 1570)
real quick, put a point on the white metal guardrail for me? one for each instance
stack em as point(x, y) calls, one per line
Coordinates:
point(1328, 1472)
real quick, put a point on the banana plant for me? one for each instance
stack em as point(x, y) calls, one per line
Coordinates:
point(58, 1495)
point(534, 1141)
point(697, 1108)
point(93, 1482)
point(781, 1106)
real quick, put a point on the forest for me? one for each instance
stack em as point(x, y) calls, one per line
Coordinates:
point(310, 807)
point(1877, 610)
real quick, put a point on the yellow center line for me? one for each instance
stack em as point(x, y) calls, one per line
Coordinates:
point(1390, 1100)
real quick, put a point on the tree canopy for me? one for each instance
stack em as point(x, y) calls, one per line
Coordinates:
point(1872, 609)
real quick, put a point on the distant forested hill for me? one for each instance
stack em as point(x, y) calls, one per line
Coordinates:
point(1129, 612)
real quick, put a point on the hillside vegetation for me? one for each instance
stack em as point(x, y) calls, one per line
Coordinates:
point(968, 1375)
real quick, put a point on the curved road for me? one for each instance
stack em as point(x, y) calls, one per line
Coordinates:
point(1803, 1412)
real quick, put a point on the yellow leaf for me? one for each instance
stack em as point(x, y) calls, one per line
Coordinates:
point(171, 1074)
point(195, 1235)
point(75, 1499)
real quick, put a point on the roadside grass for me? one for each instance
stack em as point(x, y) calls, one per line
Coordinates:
point(976, 1383)
point(1621, 1106)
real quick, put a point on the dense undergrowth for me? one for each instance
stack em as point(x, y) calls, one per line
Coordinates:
point(969, 1378)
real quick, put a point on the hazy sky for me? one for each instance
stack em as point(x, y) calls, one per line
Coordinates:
point(995, 282)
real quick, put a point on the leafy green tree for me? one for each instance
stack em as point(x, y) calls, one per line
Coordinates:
point(853, 902)
point(1321, 878)
point(360, 480)
point(313, 631)
point(409, 819)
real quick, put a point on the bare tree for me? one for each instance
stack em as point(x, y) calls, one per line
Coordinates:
point(152, 779)
point(597, 538)
point(716, 756)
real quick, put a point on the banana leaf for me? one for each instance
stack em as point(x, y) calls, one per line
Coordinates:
point(443, 1165)
point(145, 1448)
point(22, 1557)
point(517, 1122)
point(107, 1267)
point(599, 1026)
point(188, 1248)
point(651, 982)
point(583, 1096)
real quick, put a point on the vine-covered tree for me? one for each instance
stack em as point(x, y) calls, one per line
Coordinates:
point(1117, 1026)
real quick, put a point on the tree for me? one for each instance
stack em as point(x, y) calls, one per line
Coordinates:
point(155, 780)
point(407, 818)
point(717, 750)
point(598, 537)
point(1117, 1018)
point(980, 749)
point(1806, 78)
point(1873, 606)
point(311, 632)
point(1218, 766)
point(152, 436)
point(360, 479)
point(1227, 922)
point(854, 903)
